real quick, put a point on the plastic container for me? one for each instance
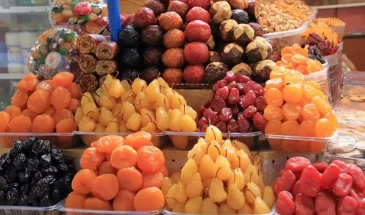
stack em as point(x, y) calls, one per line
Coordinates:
point(340, 30)
point(15, 68)
point(15, 54)
point(186, 140)
point(27, 39)
point(321, 77)
point(298, 143)
point(12, 38)
point(291, 37)
point(354, 78)
point(351, 112)
point(335, 73)
point(25, 210)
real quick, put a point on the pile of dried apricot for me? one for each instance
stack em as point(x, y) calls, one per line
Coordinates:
point(42, 107)
point(296, 58)
point(296, 107)
point(120, 174)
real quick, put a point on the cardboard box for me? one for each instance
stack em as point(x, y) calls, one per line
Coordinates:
point(130, 6)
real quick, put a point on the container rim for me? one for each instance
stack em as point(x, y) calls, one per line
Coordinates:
point(202, 134)
point(286, 137)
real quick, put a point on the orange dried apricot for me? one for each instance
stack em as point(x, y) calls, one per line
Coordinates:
point(61, 115)
point(43, 124)
point(62, 79)
point(150, 159)
point(292, 93)
point(310, 112)
point(274, 96)
point(314, 84)
point(28, 83)
point(301, 51)
point(94, 203)
point(130, 179)
point(105, 187)
point(13, 111)
point(4, 120)
point(286, 58)
point(272, 112)
point(30, 114)
point(164, 171)
point(123, 157)
point(290, 128)
point(60, 98)
point(291, 111)
point(73, 104)
point(324, 128)
point(273, 127)
point(307, 129)
point(149, 199)
point(108, 143)
point(20, 124)
point(302, 69)
point(66, 126)
point(152, 179)
point(138, 139)
point(75, 200)
point(20, 98)
point(322, 105)
point(310, 92)
point(82, 181)
point(75, 91)
point(124, 201)
point(39, 101)
point(277, 83)
point(332, 119)
point(287, 50)
point(106, 168)
point(45, 85)
point(50, 111)
point(91, 159)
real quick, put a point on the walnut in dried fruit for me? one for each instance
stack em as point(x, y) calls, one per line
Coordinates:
point(226, 29)
point(211, 43)
point(243, 69)
point(232, 54)
point(214, 57)
point(239, 4)
point(214, 72)
point(220, 11)
point(259, 49)
point(243, 34)
point(262, 70)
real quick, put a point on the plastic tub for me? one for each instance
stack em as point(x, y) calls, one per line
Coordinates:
point(335, 73)
point(340, 30)
point(25, 210)
point(354, 78)
point(351, 112)
point(321, 77)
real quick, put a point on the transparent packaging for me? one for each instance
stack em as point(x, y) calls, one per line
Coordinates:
point(27, 210)
point(340, 30)
point(321, 77)
point(90, 16)
point(351, 110)
point(297, 143)
point(354, 78)
point(186, 140)
point(335, 73)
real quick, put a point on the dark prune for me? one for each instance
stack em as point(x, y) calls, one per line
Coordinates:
point(45, 201)
point(33, 164)
point(41, 147)
point(130, 37)
point(5, 161)
point(57, 155)
point(50, 170)
point(25, 189)
point(152, 35)
point(2, 183)
point(49, 179)
point(2, 198)
point(11, 186)
point(23, 200)
point(240, 16)
point(17, 148)
point(59, 185)
point(36, 177)
point(152, 56)
point(131, 57)
point(130, 74)
point(24, 176)
point(56, 196)
point(45, 160)
point(29, 142)
point(68, 160)
point(19, 161)
point(62, 167)
point(12, 197)
point(10, 175)
point(39, 191)
point(149, 74)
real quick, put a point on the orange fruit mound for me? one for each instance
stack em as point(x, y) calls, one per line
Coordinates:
point(120, 174)
point(296, 58)
point(298, 108)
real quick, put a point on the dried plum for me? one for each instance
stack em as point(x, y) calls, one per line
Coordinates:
point(68, 160)
point(56, 196)
point(57, 155)
point(19, 161)
point(2, 183)
point(2, 198)
point(11, 186)
point(12, 197)
point(62, 167)
point(130, 74)
point(33, 164)
point(45, 201)
point(5, 161)
point(131, 57)
point(24, 176)
point(51, 170)
point(10, 175)
point(45, 160)
point(27, 144)
point(130, 37)
point(17, 148)
point(49, 179)
point(41, 147)
point(23, 200)
point(25, 188)
point(36, 177)
point(149, 74)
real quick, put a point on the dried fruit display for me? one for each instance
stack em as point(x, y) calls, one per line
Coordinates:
point(34, 173)
point(319, 188)
point(237, 106)
point(90, 17)
point(215, 182)
point(337, 25)
point(122, 107)
point(296, 107)
point(122, 174)
point(297, 58)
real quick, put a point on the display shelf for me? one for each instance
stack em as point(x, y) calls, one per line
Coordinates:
point(25, 9)
point(11, 76)
point(336, 6)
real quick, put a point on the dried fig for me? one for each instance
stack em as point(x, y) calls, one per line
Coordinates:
point(226, 29)
point(259, 49)
point(214, 72)
point(220, 11)
point(232, 54)
point(243, 69)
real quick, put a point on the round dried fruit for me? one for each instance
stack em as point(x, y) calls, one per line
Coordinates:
point(243, 34)
point(259, 49)
point(243, 69)
point(226, 29)
point(262, 70)
point(232, 54)
point(214, 72)
point(220, 11)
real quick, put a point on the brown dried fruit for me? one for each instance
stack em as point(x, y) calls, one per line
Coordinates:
point(170, 20)
point(179, 7)
point(214, 72)
point(239, 4)
point(226, 29)
point(214, 57)
point(243, 69)
point(262, 70)
point(156, 6)
point(220, 11)
point(174, 38)
point(257, 28)
point(243, 34)
point(259, 49)
point(211, 43)
point(232, 54)
point(173, 76)
point(173, 58)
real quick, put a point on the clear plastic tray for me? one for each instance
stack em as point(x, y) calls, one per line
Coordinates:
point(61, 140)
point(24, 210)
point(351, 112)
point(354, 78)
point(291, 37)
point(185, 140)
point(298, 143)
point(321, 77)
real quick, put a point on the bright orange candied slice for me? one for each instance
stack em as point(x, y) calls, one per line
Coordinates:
point(298, 59)
point(302, 69)
point(299, 50)
point(286, 58)
point(277, 83)
point(287, 50)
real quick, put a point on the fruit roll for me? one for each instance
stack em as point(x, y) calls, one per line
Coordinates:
point(87, 63)
point(106, 67)
point(106, 50)
point(87, 43)
point(89, 82)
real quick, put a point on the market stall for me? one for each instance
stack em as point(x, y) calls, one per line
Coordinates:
point(185, 107)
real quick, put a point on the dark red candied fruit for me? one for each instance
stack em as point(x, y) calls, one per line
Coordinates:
point(310, 181)
point(250, 112)
point(218, 105)
point(211, 116)
point(230, 76)
point(144, 17)
point(285, 204)
point(222, 93)
point(219, 84)
point(198, 13)
point(303, 204)
point(232, 126)
point(260, 103)
point(226, 114)
point(243, 124)
point(259, 121)
point(247, 100)
point(221, 126)
point(325, 204)
point(234, 96)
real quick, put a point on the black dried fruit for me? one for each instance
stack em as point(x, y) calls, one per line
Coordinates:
point(2, 198)
point(33, 164)
point(45, 160)
point(130, 74)
point(46, 201)
point(41, 147)
point(11, 186)
point(2, 183)
point(24, 176)
point(130, 37)
point(36, 177)
point(56, 196)
point(12, 197)
point(23, 200)
point(5, 161)
point(25, 189)
point(20, 161)
point(57, 155)
point(240, 16)
point(149, 74)
point(59, 185)
point(17, 148)
point(68, 160)
point(10, 175)
point(50, 170)
point(62, 167)
point(131, 57)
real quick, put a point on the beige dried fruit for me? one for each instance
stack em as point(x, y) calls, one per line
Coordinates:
point(259, 49)
point(232, 54)
point(220, 11)
point(226, 29)
point(243, 34)
point(239, 4)
point(243, 69)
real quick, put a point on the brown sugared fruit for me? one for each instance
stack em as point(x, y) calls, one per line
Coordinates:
point(197, 31)
point(198, 13)
point(193, 74)
point(215, 72)
point(149, 74)
point(152, 35)
point(144, 17)
point(156, 6)
point(173, 76)
point(174, 38)
point(170, 20)
point(173, 58)
point(196, 53)
point(152, 56)
point(179, 7)
point(220, 11)
point(199, 3)
point(232, 54)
